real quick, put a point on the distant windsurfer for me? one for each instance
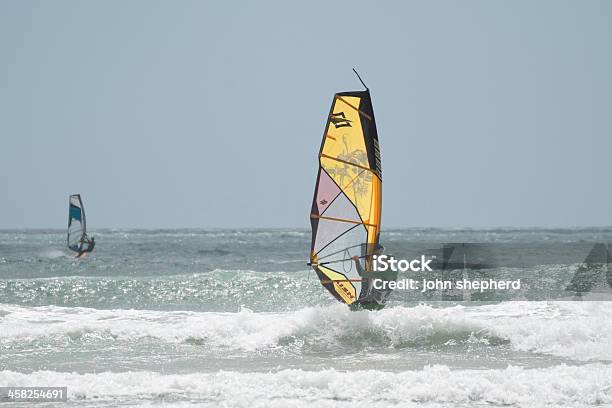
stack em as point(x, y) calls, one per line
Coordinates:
point(373, 298)
point(91, 243)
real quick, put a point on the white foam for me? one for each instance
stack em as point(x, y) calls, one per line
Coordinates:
point(578, 330)
point(244, 330)
point(437, 385)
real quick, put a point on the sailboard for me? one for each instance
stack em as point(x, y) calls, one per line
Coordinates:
point(346, 207)
point(77, 226)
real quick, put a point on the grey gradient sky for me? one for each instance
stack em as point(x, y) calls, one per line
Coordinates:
point(210, 114)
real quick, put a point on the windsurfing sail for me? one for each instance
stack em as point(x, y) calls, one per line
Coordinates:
point(346, 208)
point(77, 230)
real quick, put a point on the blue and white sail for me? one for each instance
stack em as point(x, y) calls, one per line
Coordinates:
point(77, 229)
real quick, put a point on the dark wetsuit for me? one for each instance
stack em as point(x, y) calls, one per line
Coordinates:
point(90, 246)
point(372, 297)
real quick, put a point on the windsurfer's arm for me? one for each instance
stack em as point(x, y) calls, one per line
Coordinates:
point(360, 269)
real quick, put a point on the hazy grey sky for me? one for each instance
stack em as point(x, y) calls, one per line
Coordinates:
point(210, 114)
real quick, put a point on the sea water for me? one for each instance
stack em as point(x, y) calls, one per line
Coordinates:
point(235, 318)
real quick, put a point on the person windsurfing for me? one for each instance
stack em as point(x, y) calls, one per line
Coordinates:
point(346, 212)
point(91, 243)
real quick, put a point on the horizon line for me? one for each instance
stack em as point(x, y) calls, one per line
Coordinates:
point(477, 228)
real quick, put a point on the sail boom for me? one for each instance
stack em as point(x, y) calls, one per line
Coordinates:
point(342, 280)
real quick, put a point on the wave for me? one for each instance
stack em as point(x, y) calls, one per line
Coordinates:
point(433, 386)
point(580, 332)
point(577, 330)
point(310, 329)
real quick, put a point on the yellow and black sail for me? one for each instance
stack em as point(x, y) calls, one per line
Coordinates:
point(346, 207)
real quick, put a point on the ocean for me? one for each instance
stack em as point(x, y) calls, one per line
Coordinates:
point(235, 318)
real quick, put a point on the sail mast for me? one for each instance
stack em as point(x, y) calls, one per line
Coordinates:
point(360, 80)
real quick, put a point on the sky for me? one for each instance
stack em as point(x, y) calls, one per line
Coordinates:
point(201, 114)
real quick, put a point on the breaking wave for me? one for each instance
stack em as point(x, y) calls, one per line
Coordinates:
point(573, 330)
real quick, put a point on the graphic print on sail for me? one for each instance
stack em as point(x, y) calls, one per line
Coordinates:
point(346, 208)
point(77, 229)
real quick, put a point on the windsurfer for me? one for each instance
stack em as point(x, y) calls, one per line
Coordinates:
point(373, 296)
point(91, 243)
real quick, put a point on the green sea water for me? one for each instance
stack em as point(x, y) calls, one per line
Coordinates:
point(236, 318)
